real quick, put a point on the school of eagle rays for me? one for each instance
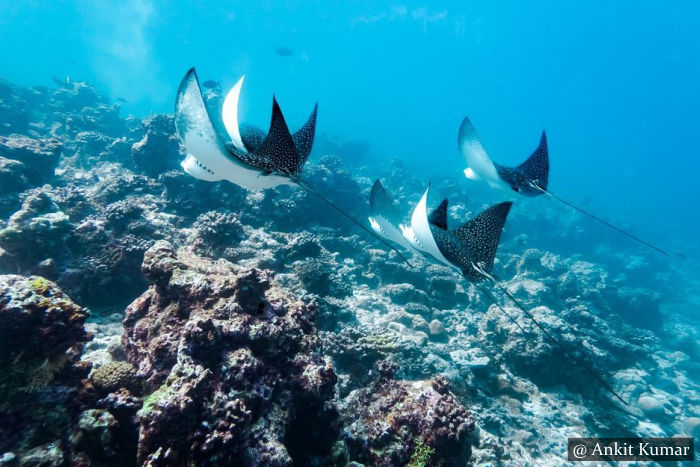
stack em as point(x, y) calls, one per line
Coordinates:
point(255, 160)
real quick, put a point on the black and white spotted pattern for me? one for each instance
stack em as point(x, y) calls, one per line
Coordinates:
point(279, 152)
point(304, 137)
point(252, 137)
point(475, 242)
point(535, 170)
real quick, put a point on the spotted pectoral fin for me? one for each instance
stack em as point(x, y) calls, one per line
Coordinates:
point(536, 168)
point(252, 137)
point(480, 236)
point(304, 137)
point(277, 152)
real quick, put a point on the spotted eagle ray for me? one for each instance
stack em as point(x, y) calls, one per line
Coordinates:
point(251, 159)
point(528, 179)
point(470, 249)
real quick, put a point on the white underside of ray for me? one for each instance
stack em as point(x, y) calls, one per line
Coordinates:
point(229, 114)
point(207, 158)
point(386, 230)
point(419, 234)
point(479, 164)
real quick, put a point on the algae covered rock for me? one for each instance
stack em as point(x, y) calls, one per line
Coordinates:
point(159, 149)
point(231, 366)
point(96, 434)
point(41, 335)
point(319, 277)
point(39, 157)
point(36, 232)
point(217, 231)
point(394, 422)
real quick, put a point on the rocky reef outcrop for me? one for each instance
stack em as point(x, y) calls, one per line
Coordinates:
point(159, 149)
point(24, 163)
point(42, 384)
point(393, 422)
point(233, 326)
point(230, 364)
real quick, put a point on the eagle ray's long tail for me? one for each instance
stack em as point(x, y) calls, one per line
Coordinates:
point(549, 335)
point(313, 191)
point(602, 221)
point(503, 310)
point(578, 360)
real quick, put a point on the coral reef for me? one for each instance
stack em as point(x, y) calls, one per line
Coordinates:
point(35, 233)
point(159, 149)
point(235, 322)
point(114, 375)
point(394, 422)
point(41, 388)
point(231, 365)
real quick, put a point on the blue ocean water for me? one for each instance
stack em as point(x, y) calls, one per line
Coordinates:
point(613, 84)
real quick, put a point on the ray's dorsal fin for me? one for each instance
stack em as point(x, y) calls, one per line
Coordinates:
point(304, 137)
point(277, 152)
point(480, 236)
point(536, 168)
point(381, 204)
point(438, 217)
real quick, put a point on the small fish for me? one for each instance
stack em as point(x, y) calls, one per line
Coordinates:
point(122, 100)
point(283, 51)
